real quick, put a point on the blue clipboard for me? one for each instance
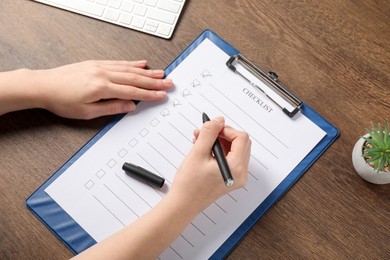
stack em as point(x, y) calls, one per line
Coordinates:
point(77, 240)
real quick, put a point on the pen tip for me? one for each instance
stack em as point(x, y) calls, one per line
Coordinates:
point(205, 117)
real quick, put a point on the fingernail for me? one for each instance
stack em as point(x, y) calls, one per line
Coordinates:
point(141, 62)
point(130, 107)
point(161, 93)
point(158, 72)
point(219, 119)
point(167, 82)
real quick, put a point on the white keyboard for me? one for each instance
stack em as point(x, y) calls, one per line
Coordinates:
point(156, 17)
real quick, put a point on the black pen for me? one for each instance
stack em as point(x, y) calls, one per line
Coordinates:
point(143, 174)
point(221, 160)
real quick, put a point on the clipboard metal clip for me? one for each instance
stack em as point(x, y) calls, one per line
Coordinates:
point(277, 93)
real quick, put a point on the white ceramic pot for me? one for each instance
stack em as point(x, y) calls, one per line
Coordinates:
point(363, 169)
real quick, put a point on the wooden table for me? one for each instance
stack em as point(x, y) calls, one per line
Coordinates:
point(333, 54)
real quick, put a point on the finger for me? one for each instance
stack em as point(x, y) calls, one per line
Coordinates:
point(141, 81)
point(115, 91)
point(239, 155)
point(119, 73)
point(208, 135)
point(109, 107)
point(226, 144)
point(196, 134)
point(122, 63)
point(137, 67)
point(239, 140)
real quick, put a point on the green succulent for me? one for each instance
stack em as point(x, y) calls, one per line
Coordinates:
point(376, 150)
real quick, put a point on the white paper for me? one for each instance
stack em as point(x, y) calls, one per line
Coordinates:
point(99, 196)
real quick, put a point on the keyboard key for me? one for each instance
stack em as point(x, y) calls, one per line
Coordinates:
point(151, 25)
point(152, 3)
point(169, 6)
point(164, 29)
point(127, 6)
point(102, 2)
point(138, 22)
point(125, 18)
point(83, 6)
point(115, 3)
point(112, 14)
point(140, 10)
point(161, 16)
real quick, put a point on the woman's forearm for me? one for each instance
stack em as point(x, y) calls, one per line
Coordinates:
point(147, 237)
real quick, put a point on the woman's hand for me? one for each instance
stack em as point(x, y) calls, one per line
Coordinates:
point(83, 90)
point(199, 181)
point(95, 88)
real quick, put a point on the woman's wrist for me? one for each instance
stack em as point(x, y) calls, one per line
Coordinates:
point(16, 90)
point(190, 206)
point(38, 93)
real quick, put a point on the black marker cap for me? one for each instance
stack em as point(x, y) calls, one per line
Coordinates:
point(143, 174)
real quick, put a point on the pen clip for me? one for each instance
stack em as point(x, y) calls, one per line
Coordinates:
point(267, 83)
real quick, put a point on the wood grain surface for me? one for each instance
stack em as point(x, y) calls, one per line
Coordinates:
point(333, 54)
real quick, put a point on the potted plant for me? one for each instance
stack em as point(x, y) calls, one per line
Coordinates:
point(371, 155)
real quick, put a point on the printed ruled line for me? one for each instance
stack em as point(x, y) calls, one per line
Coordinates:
point(185, 118)
point(174, 146)
point(219, 206)
point(197, 109)
point(257, 160)
point(232, 197)
point(177, 253)
point(187, 240)
point(124, 182)
point(101, 203)
point(254, 177)
point(197, 228)
point(124, 203)
point(207, 216)
point(257, 141)
point(243, 189)
point(154, 148)
point(179, 132)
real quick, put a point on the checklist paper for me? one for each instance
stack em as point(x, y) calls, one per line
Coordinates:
point(102, 199)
